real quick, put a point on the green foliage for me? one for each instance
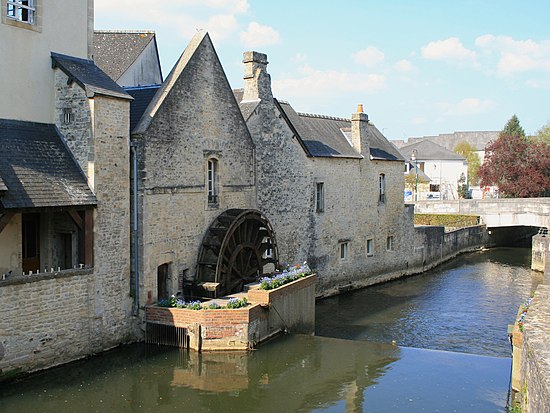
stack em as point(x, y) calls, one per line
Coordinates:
point(466, 150)
point(543, 134)
point(446, 220)
point(513, 128)
point(516, 408)
point(237, 303)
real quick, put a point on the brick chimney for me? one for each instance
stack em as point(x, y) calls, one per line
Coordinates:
point(257, 82)
point(360, 131)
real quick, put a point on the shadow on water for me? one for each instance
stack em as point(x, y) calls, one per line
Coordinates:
point(292, 374)
point(464, 306)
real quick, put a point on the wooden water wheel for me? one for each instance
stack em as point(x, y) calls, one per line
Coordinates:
point(234, 251)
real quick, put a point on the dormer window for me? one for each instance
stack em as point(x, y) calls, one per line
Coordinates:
point(21, 10)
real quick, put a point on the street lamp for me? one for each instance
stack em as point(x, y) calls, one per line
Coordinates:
point(413, 159)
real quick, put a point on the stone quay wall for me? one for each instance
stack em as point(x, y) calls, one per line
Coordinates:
point(531, 374)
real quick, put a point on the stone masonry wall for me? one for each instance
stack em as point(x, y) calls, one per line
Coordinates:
point(198, 120)
point(77, 133)
point(110, 304)
point(535, 359)
point(56, 318)
point(45, 321)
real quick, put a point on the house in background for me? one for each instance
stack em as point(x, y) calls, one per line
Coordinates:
point(129, 57)
point(445, 169)
point(477, 139)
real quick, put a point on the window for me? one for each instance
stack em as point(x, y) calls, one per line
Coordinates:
point(382, 186)
point(266, 243)
point(21, 10)
point(389, 243)
point(434, 188)
point(370, 247)
point(320, 197)
point(343, 250)
point(212, 181)
point(68, 116)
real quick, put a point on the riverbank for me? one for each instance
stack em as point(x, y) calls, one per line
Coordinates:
point(531, 340)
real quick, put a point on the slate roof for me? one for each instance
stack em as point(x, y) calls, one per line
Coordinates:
point(478, 139)
point(429, 151)
point(38, 169)
point(90, 77)
point(142, 97)
point(116, 51)
point(3, 186)
point(325, 136)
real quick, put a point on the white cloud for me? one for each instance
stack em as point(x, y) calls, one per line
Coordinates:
point(467, 107)
point(517, 56)
point(257, 35)
point(369, 57)
point(312, 82)
point(404, 66)
point(185, 17)
point(448, 49)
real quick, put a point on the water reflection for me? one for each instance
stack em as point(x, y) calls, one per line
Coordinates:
point(463, 306)
point(293, 374)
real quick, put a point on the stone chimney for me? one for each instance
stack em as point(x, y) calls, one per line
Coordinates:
point(257, 82)
point(360, 131)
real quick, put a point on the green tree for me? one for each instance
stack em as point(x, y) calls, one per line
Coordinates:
point(466, 150)
point(513, 128)
point(520, 167)
point(543, 134)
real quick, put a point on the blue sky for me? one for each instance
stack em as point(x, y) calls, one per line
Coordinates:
point(419, 67)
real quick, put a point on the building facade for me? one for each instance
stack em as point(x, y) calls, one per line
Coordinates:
point(112, 198)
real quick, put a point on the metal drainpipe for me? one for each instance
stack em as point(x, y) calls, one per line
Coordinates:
point(135, 238)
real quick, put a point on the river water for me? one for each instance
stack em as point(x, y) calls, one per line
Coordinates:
point(430, 343)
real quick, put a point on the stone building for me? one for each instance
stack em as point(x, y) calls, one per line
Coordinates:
point(115, 198)
point(332, 187)
point(64, 193)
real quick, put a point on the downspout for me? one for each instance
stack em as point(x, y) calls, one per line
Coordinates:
point(135, 238)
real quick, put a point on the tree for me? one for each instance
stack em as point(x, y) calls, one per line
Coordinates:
point(513, 128)
point(543, 134)
point(466, 150)
point(518, 166)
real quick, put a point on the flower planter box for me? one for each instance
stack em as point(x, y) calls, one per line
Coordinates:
point(290, 308)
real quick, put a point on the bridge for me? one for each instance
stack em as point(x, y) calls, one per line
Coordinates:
point(502, 212)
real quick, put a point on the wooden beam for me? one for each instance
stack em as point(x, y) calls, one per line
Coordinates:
point(76, 218)
point(5, 219)
point(89, 238)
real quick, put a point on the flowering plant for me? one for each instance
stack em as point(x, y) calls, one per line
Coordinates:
point(523, 314)
point(284, 277)
point(172, 302)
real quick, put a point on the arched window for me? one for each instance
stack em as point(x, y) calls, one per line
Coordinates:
point(212, 181)
point(382, 186)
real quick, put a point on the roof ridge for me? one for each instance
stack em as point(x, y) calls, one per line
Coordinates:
point(125, 31)
point(313, 115)
point(152, 86)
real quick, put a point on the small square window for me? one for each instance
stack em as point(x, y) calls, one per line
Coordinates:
point(343, 250)
point(68, 116)
point(389, 243)
point(320, 197)
point(370, 247)
point(21, 10)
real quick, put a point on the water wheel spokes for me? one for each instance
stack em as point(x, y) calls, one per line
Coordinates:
point(233, 252)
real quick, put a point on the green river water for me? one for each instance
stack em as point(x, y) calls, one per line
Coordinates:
point(435, 342)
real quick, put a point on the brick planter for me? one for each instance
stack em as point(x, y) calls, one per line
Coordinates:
point(290, 307)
